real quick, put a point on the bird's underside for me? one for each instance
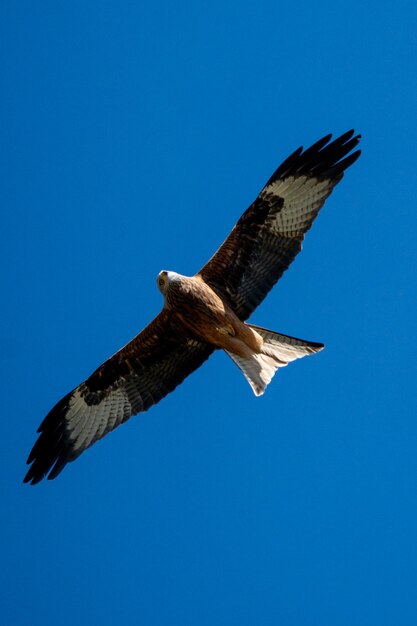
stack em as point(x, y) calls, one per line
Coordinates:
point(200, 313)
point(204, 313)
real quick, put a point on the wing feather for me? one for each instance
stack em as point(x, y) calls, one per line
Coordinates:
point(270, 233)
point(132, 380)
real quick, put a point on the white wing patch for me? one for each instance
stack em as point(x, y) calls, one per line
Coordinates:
point(86, 423)
point(303, 197)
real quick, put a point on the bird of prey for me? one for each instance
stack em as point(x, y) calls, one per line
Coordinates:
point(205, 312)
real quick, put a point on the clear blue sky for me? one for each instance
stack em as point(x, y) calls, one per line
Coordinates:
point(133, 135)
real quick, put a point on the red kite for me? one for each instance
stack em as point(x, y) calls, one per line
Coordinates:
point(205, 312)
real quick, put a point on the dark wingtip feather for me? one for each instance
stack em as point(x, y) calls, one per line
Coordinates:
point(50, 453)
point(324, 159)
point(287, 164)
point(341, 166)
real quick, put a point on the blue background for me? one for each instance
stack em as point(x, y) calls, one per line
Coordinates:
point(133, 135)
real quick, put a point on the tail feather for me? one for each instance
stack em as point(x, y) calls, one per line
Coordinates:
point(277, 351)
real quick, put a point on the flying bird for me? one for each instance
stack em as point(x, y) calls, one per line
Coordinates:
point(205, 312)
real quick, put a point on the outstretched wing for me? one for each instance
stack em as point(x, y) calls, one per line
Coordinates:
point(135, 378)
point(269, 234)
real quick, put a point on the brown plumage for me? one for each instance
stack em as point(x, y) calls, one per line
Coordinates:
point(204, 312)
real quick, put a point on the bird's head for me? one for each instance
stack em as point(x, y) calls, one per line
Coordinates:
point(164, 279)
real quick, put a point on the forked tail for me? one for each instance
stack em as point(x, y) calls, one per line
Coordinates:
point(277, 351)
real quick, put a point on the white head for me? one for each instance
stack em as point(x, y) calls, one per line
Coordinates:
point(164, 279)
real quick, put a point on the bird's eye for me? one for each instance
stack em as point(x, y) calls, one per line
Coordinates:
point(161, 282)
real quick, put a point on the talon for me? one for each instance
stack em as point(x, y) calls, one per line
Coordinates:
point(227, 330)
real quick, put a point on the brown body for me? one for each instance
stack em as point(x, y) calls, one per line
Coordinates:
point(198, 313)
point(198, 310)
